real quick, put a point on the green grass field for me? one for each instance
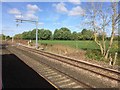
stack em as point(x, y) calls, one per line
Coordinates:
point(85, 45)
point(89, 46)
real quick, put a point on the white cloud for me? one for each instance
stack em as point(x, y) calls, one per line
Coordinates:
point(77, 2)
point(60, 7)
point(14, 11)
point(30, 16)
point(30, 13)
point(18, 16)
point(76, 11)
point(33, 8)
point(40, 23)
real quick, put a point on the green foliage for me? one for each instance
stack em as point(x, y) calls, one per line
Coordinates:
point(45, 34)
point(65, 34)
point(80, 36)
point(94, 54)
point(74, 36)
point(59, 34)
point(18, 36)
point(32, 34)
point(8, 37)
point(87, 34)
point(117, 37)
point(26, 35)
point(62, 34)
point(4, 37)
point(42, 34)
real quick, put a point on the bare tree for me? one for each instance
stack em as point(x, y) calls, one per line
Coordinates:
point(114, 20)
point(99, 20)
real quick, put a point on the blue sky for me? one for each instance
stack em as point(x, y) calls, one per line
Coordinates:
point(51, 15)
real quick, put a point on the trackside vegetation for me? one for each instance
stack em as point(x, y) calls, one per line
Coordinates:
point(80, 40)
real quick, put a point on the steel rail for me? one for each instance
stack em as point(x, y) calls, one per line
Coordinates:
point(83, 84)
point(48, 55)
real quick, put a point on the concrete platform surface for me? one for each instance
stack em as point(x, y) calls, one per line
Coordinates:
point(16, 74)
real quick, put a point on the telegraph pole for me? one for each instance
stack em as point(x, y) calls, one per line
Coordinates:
point(36, 34)
point(36, 23)
point(12, 39)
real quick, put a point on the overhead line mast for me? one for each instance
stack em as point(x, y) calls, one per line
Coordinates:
point(36, 22)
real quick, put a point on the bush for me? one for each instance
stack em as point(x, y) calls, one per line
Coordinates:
point(94, 55)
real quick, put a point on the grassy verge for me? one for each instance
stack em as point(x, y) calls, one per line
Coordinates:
point(92, 50)
point(85, 45)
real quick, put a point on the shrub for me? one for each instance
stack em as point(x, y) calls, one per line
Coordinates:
point(94, 55)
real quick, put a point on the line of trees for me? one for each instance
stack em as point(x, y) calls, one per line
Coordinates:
point(4, 37)
point(42, 34)
point(59, 34)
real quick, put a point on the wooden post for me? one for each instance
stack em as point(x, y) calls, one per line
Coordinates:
point(115, 58)
point(110, 62)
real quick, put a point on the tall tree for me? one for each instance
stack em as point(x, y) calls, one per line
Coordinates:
point(2, 36)
point(74, 36)
point(18, 36)
point(46, 35)
point(87, 34)
point(99, 20)
point(115, 18)
point(62, 34)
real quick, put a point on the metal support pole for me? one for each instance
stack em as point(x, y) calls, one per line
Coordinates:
point(12, 39)
point(5, 38)
point(36, 34)
point(36, 22)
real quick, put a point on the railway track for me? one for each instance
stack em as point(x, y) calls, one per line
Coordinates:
point(54, 76)
point(99, 71)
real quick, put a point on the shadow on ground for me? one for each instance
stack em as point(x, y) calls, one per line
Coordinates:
point(16, 74)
